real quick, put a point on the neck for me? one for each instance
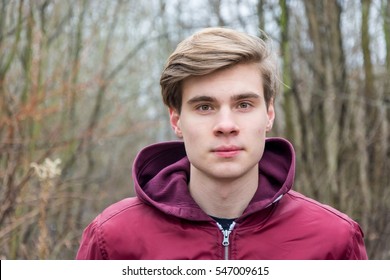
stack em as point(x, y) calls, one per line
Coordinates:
point(227, 198)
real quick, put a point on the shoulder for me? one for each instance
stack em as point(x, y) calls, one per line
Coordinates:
point(119, 209)
point(308, 204)
point(125, 216)
point(116, 231)
point(308, 208)
point(329, 230)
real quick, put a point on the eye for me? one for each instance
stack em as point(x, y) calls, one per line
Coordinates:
point(204, 107)
point(244, 105)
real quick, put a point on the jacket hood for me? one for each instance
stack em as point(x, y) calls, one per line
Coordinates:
point(161, 173)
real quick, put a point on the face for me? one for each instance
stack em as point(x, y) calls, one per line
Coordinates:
point(223, 121)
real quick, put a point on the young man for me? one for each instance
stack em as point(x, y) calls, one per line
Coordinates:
point(224, 192)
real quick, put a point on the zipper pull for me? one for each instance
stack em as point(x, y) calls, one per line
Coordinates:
point(226, 233)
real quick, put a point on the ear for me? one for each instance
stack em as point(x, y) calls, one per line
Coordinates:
point(174, 118)
point(271, 115)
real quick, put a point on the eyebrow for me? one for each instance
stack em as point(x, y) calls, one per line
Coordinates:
point(206, 98)
point(201, 98)
point(249, 95)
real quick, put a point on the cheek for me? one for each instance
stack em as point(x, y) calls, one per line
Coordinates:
point(262, 131)
point(261, 128)
point(264, 126)
point(193, 128)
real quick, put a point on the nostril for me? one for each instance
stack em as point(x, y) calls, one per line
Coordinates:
point(226, 130)
point(225, 123)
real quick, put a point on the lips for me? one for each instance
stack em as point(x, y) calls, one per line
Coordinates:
point(227, 151)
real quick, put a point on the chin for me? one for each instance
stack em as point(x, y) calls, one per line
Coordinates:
point(228, 173)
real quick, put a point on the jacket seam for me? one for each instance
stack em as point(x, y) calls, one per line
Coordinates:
point(118, 212)
point(325, 207)
point(351, 228)
point(99, 228)
point(101, 241)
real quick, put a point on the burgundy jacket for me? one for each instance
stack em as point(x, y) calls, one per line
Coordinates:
point(164, 222)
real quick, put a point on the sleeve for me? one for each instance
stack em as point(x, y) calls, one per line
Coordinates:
point(91, 243)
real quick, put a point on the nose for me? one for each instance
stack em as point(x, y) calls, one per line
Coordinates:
point(225, 124)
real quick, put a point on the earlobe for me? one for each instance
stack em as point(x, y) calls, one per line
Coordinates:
point(174, 118)
point(269, 126)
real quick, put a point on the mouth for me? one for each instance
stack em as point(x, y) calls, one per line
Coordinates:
point(227, 151)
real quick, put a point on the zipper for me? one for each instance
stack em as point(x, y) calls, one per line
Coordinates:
point(225, 241)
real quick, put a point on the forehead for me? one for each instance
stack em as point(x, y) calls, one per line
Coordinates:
point(235, 80)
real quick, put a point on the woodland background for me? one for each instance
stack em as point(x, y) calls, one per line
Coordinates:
point(80, 95)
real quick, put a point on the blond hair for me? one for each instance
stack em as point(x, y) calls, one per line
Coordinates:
point(212, 49)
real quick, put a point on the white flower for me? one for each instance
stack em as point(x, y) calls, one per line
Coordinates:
point(48, 169)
